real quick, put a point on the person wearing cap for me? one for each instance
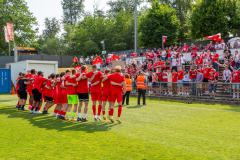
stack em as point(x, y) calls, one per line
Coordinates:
point(118, 89)
point(141, 87)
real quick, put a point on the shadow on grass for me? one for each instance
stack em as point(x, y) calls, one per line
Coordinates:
point(51, 123)
point(134, 107)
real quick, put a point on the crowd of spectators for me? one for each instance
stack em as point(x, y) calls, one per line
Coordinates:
point(185, 70)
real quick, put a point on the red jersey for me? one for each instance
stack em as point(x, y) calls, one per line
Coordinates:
point(160, 77)
point(17, 84)
point(180, 74)
point(82, 86)
point(106, 85)
point(38, 83)
point(48, 89)
point(199, 61)
point(174, 76)
point(235, 77)
point(117, 78)
point(165, 77)
point(71, 89)
point(215, 57)
point(193, 74)
point(30, 85)
point(98, 77)
point(206, 72)
point(211, 77)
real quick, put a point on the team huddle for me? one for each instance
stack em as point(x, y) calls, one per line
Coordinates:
point(69, 91)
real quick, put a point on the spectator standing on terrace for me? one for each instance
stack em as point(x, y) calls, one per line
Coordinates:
point(169, 82)
point(212, 83)
point(236, 59)
point(186, 84)
point(226, 78)
point(235, 80)
point(199, 80)
point(192, 76)
point(180, 81)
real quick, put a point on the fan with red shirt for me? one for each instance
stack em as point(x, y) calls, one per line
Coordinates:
point(97, 60)
point(159, 64)
point(133, 55)
point(149, 55)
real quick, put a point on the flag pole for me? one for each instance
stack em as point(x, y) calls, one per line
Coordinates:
point(162, 43)
point(15, 52)
point(9, 49)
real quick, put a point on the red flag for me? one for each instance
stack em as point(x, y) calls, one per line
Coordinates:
point(10, 31)
point(215, 38)
point(6, 34)
point(164, 39)
point(97, 60)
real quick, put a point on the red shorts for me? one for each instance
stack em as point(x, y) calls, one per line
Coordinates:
point(96, 96)
point(106, 96)
point(116, 97)
point(61, 98)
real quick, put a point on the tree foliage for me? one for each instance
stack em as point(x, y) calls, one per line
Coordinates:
point(17, 12)
point(72, 11)
point(214, 16)
point(52, 28)
point(159, 20)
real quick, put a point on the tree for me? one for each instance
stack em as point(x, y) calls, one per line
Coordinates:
point(55, 46)
point(17, 12)
point(49, 42)
point(214, 16)
point(52, 28)
point(72, 11)
point(159, 20)
point(117, 6)
point(183, 9)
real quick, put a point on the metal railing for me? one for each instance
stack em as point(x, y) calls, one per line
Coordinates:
point(203, 90)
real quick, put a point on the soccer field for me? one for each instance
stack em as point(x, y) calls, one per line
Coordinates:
point(162, 130)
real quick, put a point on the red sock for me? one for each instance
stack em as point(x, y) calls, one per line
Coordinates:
point(62, 113)
point(56, 111)
point(99, 110)
point(111, 112)
point(103, 112)
point(94, 110)
point(119, 110)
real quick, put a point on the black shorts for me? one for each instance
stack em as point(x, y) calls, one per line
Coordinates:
point(205, 80)
point(22, 94)
point(48, 99)
point(37, 96)
point(83, 97)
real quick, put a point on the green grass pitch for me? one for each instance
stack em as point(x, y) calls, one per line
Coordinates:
point(161, 131)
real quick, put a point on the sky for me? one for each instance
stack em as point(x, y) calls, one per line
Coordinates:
point(42, 9)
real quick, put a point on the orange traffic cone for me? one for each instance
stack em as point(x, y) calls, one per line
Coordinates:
point(13, 91)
